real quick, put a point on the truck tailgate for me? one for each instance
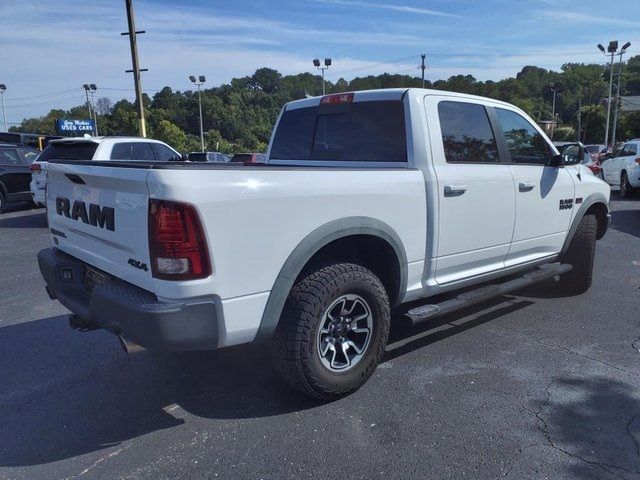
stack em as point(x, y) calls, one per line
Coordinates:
point(98, 214)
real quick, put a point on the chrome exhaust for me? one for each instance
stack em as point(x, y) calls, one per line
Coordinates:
point(128, 346)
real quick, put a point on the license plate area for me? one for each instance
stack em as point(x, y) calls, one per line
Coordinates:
point(93, 277)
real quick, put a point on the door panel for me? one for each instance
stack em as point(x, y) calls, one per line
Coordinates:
point(475, 191)
point(544, 194)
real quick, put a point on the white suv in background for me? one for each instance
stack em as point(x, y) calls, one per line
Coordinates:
point(97, 148)
point(622, 168)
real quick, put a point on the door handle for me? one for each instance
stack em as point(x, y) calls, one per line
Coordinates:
point(526, 186)
point(454, 190)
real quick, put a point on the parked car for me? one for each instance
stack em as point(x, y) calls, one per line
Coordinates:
point(595, 150)
point(15, 160)
point(212, 157)
point(622, 168)
point(97, 148)
point(249, 158)
point(167, 258)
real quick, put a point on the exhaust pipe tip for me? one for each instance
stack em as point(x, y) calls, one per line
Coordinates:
point(128, 346)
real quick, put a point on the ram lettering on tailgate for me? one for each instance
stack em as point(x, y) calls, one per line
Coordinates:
point(103, 217)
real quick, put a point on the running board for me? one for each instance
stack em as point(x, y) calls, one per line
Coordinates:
point(427, 312)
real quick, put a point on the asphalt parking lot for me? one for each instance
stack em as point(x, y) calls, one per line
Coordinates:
point(530, 386)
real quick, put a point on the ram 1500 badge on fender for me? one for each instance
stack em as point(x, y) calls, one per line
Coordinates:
point(369, 200)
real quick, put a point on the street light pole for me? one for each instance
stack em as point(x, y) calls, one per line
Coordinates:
point(3, 87)
point(199, 81)
point(327, 64)
point(423, 67)
point(554, 89)
point(616, 105)
point(93, 88)
point(86, 93)
point(611, 50)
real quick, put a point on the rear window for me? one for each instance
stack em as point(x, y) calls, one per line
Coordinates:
point(68, 151)
point(354, 132)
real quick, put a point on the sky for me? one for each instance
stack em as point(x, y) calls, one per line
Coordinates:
point(48, 48)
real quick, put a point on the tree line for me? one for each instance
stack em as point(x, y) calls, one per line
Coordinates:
point(239, 116)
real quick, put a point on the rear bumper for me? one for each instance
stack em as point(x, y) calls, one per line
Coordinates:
point(127, 310)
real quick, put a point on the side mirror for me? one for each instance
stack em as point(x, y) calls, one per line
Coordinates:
point(185, 157)
point(572, 153)
point(557, 161)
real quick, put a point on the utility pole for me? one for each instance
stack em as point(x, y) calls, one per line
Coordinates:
point(611, 50)
point(199, 81)
point(3, 87)
point(423, 67)
point(616, 105)
point(136, 65)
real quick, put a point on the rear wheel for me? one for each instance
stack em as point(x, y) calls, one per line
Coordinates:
point(626, 190)
point(580, 255)
point(333, 331)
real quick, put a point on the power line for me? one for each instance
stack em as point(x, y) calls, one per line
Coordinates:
point(43, 95)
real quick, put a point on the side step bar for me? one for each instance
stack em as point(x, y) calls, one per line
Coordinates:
point(427, 312)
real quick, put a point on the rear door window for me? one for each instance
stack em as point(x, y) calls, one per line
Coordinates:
point(140, 151)
point(353, 132)
point(164, 153)
point(466, 133)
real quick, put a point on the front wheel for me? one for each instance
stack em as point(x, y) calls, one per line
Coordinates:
point(626, 190)
point(580, 255)
point(332, 331)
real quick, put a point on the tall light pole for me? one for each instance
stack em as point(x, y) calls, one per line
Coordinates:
point(554, 89)
point(3, 87)
point(611, 50)
point(616, 105)
point(136, 65)
point(199, 81)
point(422, 67)
point(327, 64)
point(90, 88)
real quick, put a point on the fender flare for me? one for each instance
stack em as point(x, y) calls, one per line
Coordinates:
point(587, 203)
point(311, 245)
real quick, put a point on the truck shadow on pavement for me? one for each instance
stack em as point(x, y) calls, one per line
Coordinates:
point(74, 393)
point(38, 219)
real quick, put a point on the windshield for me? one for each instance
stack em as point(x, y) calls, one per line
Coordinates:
point(593, 148)
point(68, 151)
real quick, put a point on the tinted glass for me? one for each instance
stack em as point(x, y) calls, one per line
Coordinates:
point(355, 132)
point(68, 151)
point(466, 133)
point(29, 155)
point(242, 157)
point(9, 156)
point(165, 154)
point(630, 149)
point(198, 157)
point(142, 151)
point(525, 143)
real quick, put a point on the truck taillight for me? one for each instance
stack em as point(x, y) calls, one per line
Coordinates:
point(177, 245)
point(35, 167)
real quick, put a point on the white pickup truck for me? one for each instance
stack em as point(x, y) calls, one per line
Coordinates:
point(369, 200)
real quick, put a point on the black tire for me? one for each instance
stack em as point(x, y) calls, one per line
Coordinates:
point(626, 190)
point(3, 202)
point(580, 255)
point(295, 351)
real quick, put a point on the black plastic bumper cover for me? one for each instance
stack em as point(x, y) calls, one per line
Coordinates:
point(124, 309)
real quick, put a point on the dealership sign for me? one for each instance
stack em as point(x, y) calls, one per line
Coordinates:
point(65, 125)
